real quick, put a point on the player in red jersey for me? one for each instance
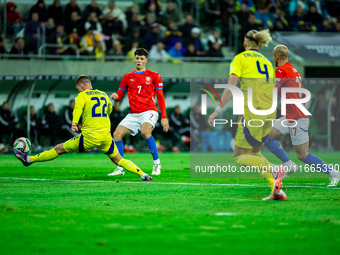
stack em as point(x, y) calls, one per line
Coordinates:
point(295, 122)
point(141, 85)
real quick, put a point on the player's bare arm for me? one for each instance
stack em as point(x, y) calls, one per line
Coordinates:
point(226, 96)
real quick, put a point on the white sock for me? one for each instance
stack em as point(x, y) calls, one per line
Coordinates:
point(157, 161)
point(291, 167)
point(288, 163)
point(120, 168)
point(28, 159)
point(143, 176)
point(334, 174)
point(280, 193)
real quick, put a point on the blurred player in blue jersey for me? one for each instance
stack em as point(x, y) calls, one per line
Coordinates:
point(95, 106)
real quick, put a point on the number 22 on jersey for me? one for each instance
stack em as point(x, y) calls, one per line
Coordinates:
point(100, 106)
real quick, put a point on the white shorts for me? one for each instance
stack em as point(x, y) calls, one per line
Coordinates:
point(134, 121)
point(298, 130)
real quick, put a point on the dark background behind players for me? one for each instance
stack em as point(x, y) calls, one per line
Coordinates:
point(169, 136)
point(35, 128)
point(67, 117)
point(180, 124)
point(198, 124)
point(8, 122)
point(51, 124)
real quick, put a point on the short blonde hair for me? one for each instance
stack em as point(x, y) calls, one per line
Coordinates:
point(83, 79)
point(254, 37)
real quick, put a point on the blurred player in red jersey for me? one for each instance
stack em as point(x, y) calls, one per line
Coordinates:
point(287, 76)
point(141, 85)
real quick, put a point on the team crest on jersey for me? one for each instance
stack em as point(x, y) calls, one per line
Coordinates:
point(148, 79)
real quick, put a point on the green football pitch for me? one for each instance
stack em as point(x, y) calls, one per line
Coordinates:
point(71, 206)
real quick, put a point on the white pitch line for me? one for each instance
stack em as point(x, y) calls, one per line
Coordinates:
point(289, 185)
point(225, 214)
point(164, 183)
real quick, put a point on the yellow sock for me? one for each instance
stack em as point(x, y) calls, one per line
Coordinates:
point(130, 166)
point(45, 156)
point(257, 159)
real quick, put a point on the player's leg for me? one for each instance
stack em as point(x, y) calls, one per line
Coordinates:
point(300, 140)
point(148, 120)
point(75, 144)
point(271, 177)
point(252, 157)
point(312, 160)
point(120, 132)
point(275, 147)
point(118, 135)
point(146, 132)
point(248, 146)
point(247, 150)
point(41, 157)
point(110, 149)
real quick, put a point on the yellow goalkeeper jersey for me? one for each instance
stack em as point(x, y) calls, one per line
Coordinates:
point(96, 106)
point(256, 71)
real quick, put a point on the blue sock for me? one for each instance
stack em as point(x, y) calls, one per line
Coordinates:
point(276, 148)
point(151, 143)
point(120, 147)
point(317, 163)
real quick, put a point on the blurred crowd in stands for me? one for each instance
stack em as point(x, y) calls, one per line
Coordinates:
point(158, 26)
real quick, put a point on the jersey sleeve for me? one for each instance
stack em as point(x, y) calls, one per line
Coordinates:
point(109, 105)
point(158, 84)
point(235, 67)
point(280, 76)
point(123, 87)
point(78, 108)
point(123, 83)
point(161, 102)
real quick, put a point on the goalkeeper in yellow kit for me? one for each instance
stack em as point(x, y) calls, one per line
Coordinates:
point(95, 106)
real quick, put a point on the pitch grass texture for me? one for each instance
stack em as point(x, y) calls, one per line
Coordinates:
point(97, 214)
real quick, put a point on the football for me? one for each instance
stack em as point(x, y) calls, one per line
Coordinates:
point(22, 144)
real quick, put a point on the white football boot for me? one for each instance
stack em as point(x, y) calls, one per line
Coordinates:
point(290, 168)
point(333, 182)
point(156, 169)
point(117, 171)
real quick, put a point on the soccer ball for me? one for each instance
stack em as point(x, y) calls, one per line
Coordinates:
point(22, 144)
